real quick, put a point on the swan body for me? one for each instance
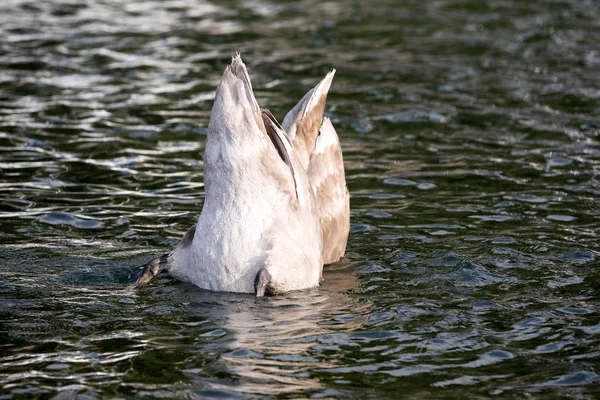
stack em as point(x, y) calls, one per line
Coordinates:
point(276, 205)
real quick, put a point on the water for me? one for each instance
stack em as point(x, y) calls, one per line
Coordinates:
point(471, 139)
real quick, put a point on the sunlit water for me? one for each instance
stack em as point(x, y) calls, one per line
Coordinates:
point(470, 132)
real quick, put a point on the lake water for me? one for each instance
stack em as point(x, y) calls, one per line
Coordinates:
point(471, 137)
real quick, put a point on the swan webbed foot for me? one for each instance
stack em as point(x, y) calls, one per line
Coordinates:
point(261, 282)
point(151, 269)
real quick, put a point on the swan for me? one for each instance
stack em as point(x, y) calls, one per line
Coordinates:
point(276, 205)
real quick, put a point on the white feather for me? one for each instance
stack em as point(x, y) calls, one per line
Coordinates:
point(251, 217)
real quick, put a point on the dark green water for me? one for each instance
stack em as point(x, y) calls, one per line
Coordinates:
point(471, 139)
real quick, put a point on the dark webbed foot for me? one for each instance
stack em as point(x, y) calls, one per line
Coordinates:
point(261, 282)
point(161, 264)
point(150, 270)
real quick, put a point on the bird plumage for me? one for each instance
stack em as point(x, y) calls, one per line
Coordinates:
point(272, 194)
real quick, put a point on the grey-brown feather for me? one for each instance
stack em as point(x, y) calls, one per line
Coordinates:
point(326, 175)
point(322, 158)
point(188, 238)
point(271, 127)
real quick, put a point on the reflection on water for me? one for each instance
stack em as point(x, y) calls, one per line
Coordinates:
point(470, 134)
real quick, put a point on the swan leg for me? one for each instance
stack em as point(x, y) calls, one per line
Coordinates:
point(151, 269)
point(261, 282)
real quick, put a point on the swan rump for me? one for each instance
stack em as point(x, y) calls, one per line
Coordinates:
point(276, 206)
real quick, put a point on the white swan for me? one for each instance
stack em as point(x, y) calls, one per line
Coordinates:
point(276, 205)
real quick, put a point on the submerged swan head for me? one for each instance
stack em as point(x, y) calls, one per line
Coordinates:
point(276, 205)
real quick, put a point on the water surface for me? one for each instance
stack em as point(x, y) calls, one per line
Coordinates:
point(471, 141)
